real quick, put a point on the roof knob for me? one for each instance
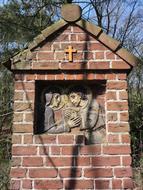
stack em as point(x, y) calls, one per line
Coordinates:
point(71, 12)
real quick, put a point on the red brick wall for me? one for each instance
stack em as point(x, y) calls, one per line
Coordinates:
point(64, 161)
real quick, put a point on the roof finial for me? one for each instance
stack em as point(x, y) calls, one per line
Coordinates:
point(71, 12)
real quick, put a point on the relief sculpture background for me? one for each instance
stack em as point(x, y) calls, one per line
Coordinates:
point(70, 109)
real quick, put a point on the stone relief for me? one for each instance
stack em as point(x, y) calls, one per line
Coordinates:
point(73, 107)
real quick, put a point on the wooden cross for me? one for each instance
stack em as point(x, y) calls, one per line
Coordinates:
point(70, 51)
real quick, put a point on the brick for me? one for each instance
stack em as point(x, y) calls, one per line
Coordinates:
point(18, 117)
point(90, 150)
point(110, 55)
point(102, 184)
point(120, 65)
point(16, 139)
point(99, 55)
point(28, 139)
point(113, 138)
point(118, 127)
point(15, 185)
point(22, 128)
point(96, 46)
point(111, 95)
point(41, 65)
point(77, 29)
point(30, 96)
point(90, 76)
point(80, 139)
point(29, 117)
point(45, 55)
point(79, 184)
point(105, 161)
point(32, 161)
point(62, 37)
point(44, 150)
point(70, 76)
point(116, 184)
point(123, 95)
point(99, 65)
point(27, 184)
point(18, 77)
point(60, 76)
point(23, 106)
point(111, 76)
point(70, 173)
point(48, 184)
point(24, 85)
point(18, 96)
point(69, 150)
point(41, 76)
point(126, 160)
point(117, 85)
point(43, 173)
point(16, 161)
point(117, 106)
point(30, 77)
point(128, 184)
point(98, 172)
point(116, 149)
point(126, 138)
point(22, 150)
point(112, 117)
point(124, 116)
point(82, 161)
point(74, 66)
point(66, 139)
point(100, 76)
point(122, 76)
point(17, 173)
point(59, 161)
point(73, 37)
point(123, 172)
point(45, 139)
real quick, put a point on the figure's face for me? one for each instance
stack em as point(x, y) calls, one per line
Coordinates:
point(75, 98)
point(56, 100)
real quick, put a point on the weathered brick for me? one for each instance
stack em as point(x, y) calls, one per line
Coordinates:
point(102, 184)
point(79, 184)
point(28, 139)
point(16, 139)
point(18, 117)
point(117, 106)
point(18, 96)
point(18, 172)
point(66, 139)
point(124, 116)
point(117, 85)
point(110, 95)
point(118, 127)
point(117, 149)
point(59, 161)
point(123, 172)
point(110, 55)
point(43, 173)
point(32, 161)
point(22, 150)
point(48, 184)
point(99, 65)
point(123, 95)
point(45, 139)
point(24, 85)
point(120, 65)
point(70, 172)
point(105, 161)
point(90, 150)
point(113, 138)
point(99, 55)
point(45, 56)
point(112, 117)
point(16, 161)
point(43, 150)
point(22, 128)
point(27, 184)
point(128, 184)
point(15, 185)
point(98, 172)
point(126, 160)
point(116, 184)
point(125, 138)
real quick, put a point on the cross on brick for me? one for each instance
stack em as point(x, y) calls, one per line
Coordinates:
point(70, 51)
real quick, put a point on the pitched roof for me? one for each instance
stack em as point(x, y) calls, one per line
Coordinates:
point(25, 56)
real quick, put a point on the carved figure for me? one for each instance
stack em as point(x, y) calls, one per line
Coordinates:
point(52, 101)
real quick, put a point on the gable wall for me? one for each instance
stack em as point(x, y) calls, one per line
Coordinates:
point(65, 161)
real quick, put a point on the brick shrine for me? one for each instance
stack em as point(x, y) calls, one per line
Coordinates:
point(69, 160)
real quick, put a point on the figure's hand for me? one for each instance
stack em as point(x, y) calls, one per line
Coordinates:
point(74, 122)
